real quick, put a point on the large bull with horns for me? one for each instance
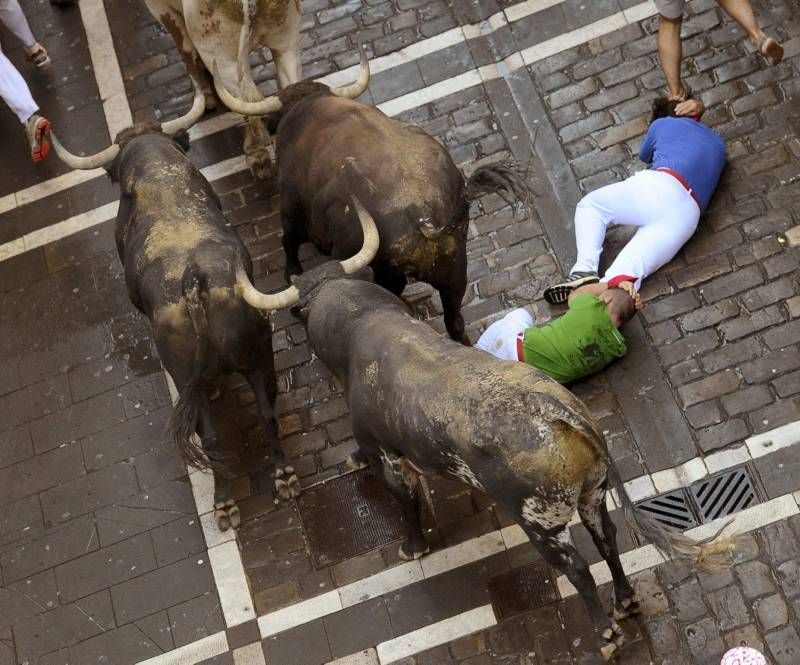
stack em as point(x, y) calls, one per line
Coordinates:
point(421, 403)
point(208, 30)
point(187, 271)
point(417, 195)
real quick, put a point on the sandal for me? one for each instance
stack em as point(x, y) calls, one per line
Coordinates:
point(770, 49)
point(38, 56)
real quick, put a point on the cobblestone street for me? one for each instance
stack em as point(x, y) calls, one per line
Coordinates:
point(109, 552)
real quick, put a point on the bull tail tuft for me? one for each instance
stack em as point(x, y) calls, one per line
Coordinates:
point(182, 422)
point(710, 554)
point(505, 179)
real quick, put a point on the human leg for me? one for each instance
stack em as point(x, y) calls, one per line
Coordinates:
point(15, 91)
point(618, 203)
point(741, 11)
point(667, 218)
point(13, 18)
point(670, 54)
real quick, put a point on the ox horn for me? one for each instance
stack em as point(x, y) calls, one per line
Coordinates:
point(105, 156)
point(264, 107)
point(191, 116)
point(360, 85)
point(290, 296)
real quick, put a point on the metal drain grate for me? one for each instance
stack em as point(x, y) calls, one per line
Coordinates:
point(347, 516)
point(672, 510)
point(724, 494)
point(522, 589)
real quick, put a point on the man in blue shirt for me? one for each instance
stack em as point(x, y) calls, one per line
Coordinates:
point(665, 201)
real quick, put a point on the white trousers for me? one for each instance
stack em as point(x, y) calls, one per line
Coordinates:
point(12, 16)
point(664, 212)
point(13, 89)
point(500, 338)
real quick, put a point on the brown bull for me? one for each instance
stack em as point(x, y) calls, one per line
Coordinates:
point(418, 197)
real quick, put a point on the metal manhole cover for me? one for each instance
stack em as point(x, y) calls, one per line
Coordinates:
point(348, 516)
point(671, 510)
point(522, 589)
point(724, 494)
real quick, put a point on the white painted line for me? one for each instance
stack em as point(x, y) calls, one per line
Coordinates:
point(513, 535)
point(381, 583)
point(433, 92)
point(211, 532)
point(776, 439)
point(105, 65)
point(234, 593)
point(366, 657)
point(225, 168)
point(12, 248)
point(7, 202)
point(68, 227)
point(299, 613)
point(203, 490)
point(727, 459)
point(634, 561)
point(252, 654)
point(574, 38)
point(680, 476)
point(462, 554)
point(640, 12)
point(203, 649)
point(437, 633)
point(638, 489)
point(523, 9)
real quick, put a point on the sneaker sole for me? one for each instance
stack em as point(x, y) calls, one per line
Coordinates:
point(42, 137)
point(559, 294)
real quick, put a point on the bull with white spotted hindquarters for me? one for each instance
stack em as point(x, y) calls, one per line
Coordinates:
point(185, 269)
point(421, 403)
point(209, 30)
point(417, 195)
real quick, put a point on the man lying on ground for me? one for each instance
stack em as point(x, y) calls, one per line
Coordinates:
point(664, 202)
point(581, 342)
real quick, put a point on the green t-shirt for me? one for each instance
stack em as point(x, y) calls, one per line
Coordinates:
point(580, 342)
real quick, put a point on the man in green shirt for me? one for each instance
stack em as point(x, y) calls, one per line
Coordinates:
point(580, 342)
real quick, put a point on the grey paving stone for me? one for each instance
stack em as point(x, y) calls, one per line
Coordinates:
point(15, 445)
point(771, 612)
point(161, 588)
point(196, 618)
point(282, 648)
point(105, 567)
point(784, 644)
point(127, 644)
point(358, 627)
point(729, 608)
point(177, 540)
point(89, 492)
point(755, 578)
point(55, 546)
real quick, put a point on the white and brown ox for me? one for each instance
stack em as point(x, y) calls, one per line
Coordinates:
point(191, 275)
point(209, 30)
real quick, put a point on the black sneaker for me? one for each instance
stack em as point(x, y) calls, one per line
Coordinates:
point(559, 293)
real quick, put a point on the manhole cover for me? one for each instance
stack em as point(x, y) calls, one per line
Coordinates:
point(671, 509)
point(522, 589)
point(348, 516)
point(724, 494)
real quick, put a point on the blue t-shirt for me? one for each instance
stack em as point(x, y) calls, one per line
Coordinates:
point(687, 147)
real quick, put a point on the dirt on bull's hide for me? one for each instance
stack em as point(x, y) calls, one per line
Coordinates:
point(272, 12)
point(421, 255)
point(567, 457)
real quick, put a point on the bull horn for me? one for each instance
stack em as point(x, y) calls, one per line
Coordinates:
point(371, 240)
point(191, 117)
point(264, 107)
point(264, 301)
point(89, 161)
point(360, 85)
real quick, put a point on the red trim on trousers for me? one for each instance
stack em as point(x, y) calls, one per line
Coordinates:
point(683, 182)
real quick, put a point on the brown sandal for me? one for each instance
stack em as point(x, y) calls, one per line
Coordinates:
point(38, 56)
point(770, 49)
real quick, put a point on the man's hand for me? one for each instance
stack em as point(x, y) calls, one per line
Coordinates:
point(690, 107)
point(630, 289)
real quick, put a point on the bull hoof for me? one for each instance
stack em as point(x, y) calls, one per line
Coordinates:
point(287, 484)
point(405, 556)
point(607, 651)
point(614, 639)
point(260, 165)
point(354, 463)
point(626, 607)
point(227, 515)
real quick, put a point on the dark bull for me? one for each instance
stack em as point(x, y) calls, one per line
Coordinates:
point(185, 270)
point(420, 402)
point(416, 194)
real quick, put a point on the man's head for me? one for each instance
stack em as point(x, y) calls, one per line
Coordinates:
point(664, 108)
point(621, 307)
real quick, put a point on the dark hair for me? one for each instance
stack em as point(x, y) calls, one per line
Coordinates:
point(664, 108)
point(620, 305)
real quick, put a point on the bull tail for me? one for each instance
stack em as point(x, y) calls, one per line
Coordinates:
point(503, 178)
point(710, 554)
point(183, 420)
